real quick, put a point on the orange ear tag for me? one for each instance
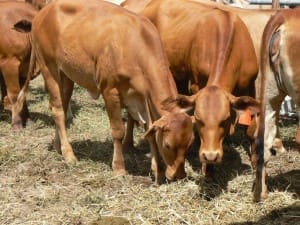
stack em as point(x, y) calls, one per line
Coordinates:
point(245, 117)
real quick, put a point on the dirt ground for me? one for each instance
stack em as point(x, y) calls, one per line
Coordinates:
point(38, 188)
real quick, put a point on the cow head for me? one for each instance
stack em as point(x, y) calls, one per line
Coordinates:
point(174, 135)
point(216, 113)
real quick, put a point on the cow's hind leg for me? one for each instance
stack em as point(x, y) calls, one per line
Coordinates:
point(3, 89)
point(113, 108)
point(10, 72)
point(67, 87)
point(59, 104)
point(128, 140)
point(25, 112)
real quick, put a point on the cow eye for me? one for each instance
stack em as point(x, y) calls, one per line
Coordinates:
point(167, 146)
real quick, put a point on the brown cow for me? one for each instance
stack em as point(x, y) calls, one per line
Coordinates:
point(15, 48)
point(280, 53)
point(254, 19)
point(119, 55)
point(204, 47)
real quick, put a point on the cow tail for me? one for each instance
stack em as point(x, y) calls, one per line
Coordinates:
point(22, 94)
point(274, 23)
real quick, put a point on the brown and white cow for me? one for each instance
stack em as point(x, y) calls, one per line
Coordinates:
point(280, 53)
point(111, 51)
point(213, 51)
point(15, 48)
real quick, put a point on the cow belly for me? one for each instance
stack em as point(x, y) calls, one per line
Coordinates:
point(135, 105)
point(81, 73)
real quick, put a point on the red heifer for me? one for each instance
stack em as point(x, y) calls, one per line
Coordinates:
point(112, 52)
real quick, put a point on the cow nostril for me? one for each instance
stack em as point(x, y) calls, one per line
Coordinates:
point(217, 156)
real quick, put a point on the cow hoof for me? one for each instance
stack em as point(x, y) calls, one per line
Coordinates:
point(70, 159)
point(278, 146)
point(160, 178)
point(120, 172)
point(17, 127)
point(259, 197)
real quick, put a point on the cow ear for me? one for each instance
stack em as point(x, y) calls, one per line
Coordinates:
point(158, 124)
point(243, 103)
point(23, 26)
point(246, 107)
point(182, 101)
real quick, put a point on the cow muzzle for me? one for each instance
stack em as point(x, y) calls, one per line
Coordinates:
point(172, 173)
point(211, 156)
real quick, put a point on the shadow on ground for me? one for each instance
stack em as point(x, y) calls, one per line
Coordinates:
point(284, 216)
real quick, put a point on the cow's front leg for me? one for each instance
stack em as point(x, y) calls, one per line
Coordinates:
point(113, 108)
point(61, 141)
point(260, 187)
point(157, 165)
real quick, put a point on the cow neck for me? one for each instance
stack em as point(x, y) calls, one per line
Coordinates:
point(222, 81)
point(162, 87)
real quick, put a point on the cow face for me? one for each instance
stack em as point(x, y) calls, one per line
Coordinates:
point(216, 113)
point(174, 135)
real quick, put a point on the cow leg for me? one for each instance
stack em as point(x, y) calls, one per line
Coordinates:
point(157, 165)
point(4, 98)
point(271, 123)
point(207, 170)
point(25, 112)
point(59, 106)
point(113, 108)
point(251, 134)
point(128, 139)
point(3, 89)
point(260, 186)
point(67, 87)
point(10, 72)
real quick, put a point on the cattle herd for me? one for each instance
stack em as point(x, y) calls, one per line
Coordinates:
point(169, 63)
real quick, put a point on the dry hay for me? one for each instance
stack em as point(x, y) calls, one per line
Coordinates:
point(37, 187)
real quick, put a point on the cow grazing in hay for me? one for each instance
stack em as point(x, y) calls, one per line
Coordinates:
point(110, 51)
point(15, 48)
point(254, 19)
point(280, 52)
point(204, 49)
